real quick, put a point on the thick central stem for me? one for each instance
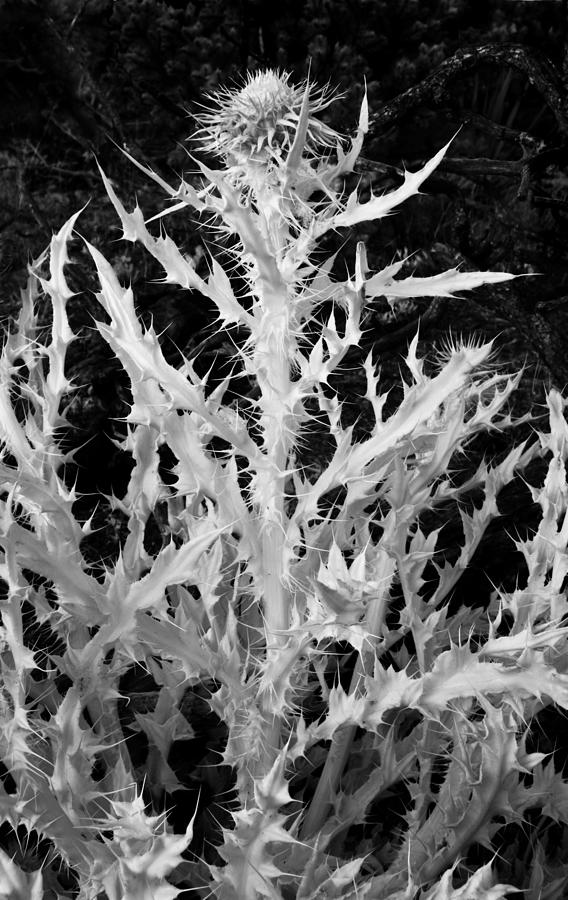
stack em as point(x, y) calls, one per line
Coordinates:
point(271, 361)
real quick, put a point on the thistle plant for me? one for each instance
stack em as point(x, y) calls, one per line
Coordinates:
point(268, 572)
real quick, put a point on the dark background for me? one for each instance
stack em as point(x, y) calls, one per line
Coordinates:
point(78, 78)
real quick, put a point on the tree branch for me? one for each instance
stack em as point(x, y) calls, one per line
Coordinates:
point(494, 129)
point(540, 72)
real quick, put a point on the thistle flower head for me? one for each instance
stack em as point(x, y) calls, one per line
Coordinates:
point(258, 121)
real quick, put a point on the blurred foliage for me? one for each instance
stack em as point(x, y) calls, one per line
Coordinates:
point(79, 75)
point(82, 78)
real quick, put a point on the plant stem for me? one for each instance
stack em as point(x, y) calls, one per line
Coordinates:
point(343, 738)
point(272, 365)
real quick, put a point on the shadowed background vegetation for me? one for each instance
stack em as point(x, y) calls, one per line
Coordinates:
point(81, 79)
